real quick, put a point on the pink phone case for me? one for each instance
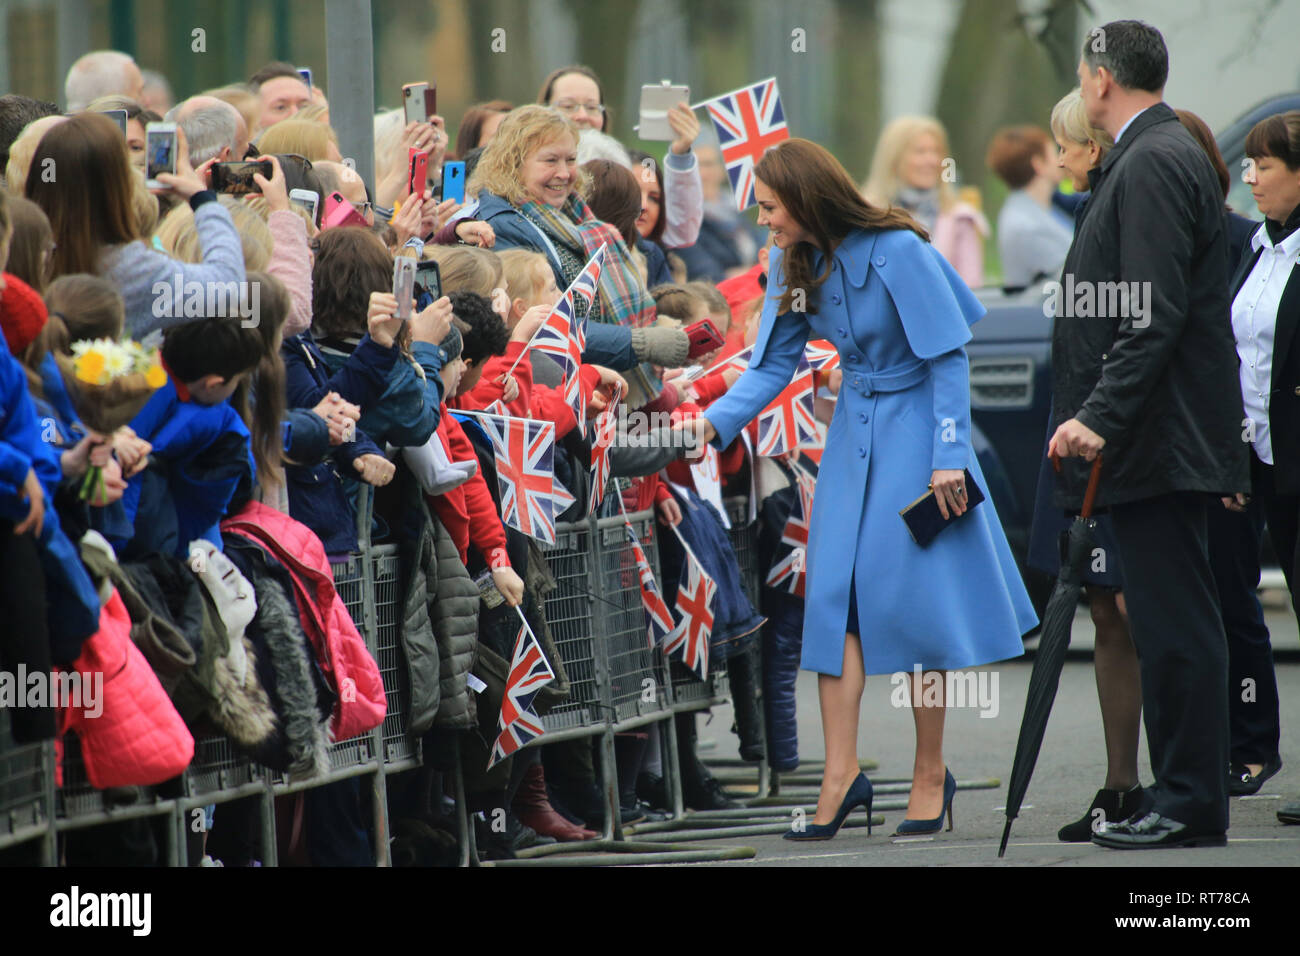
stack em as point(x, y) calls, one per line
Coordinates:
point(339, 212)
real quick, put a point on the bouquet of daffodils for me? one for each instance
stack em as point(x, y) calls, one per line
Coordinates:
point(108, 383)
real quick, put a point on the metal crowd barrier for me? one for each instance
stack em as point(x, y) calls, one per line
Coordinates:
point(618, 683)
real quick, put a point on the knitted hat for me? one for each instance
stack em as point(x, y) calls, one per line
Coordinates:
point(22, 314)
point(453, 344)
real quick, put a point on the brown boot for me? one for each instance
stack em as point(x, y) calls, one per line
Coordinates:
point(533, 809)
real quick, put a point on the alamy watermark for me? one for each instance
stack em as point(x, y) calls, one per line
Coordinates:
point(975, 689)
point(65, 689)
point(1098, 300)
point(192, 299)
point(638, 429)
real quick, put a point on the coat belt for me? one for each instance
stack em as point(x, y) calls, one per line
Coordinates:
point(887, 380)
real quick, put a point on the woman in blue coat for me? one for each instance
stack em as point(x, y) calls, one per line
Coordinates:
point(877, 603)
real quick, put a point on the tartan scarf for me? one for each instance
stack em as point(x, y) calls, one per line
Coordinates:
point(577, 234)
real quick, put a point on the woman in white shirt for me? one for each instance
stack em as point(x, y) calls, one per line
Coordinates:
point(1265, 318)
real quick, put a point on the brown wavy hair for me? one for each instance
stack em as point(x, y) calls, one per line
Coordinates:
point(820, 196)
point(351, 262)
point(89, 198)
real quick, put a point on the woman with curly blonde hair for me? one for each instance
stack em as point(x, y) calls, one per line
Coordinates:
point(531, 191)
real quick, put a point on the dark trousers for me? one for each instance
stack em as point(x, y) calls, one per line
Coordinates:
point(1252, 685)
point(1182, 652)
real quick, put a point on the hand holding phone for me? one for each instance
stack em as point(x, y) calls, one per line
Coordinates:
point(417, 172)
point(339, 212)
point(306, 199)
point(236, 179)
point(161, 147)
point(656, 100)
point(704, 338)
point(419, 101)
point(453, 182)
point(404, 268)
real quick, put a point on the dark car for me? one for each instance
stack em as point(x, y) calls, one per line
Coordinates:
point(1010, 373)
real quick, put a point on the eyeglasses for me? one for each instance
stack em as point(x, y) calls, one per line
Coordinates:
point(363, 208)
point(569, 107)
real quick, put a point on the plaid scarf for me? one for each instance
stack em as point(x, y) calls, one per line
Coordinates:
point(576, 234)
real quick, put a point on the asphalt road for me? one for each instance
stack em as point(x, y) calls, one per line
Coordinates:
point(1069, 771)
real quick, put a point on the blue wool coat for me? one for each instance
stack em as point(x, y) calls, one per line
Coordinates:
point(899, 315)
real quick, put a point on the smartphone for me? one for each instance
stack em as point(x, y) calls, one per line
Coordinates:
point(404, 269)
point(306, 199)
point(704, 338)
point(118, 117)
point(305, 73)
point(428, 283)
point(656, 100)
point(339, 212)
point(417, 171)
point(236, 179)
point(453, 181)
point(414, 99)
point(159, 152)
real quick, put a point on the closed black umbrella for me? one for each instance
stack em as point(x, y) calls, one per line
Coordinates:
point(1055, 638)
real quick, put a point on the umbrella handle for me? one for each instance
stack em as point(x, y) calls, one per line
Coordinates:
point(1094, 477)
point(1090, 495)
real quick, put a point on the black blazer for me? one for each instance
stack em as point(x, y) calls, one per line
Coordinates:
point(1284, 397)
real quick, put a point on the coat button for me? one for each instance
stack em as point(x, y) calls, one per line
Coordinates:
point(836, 298)
point(880, 260)
point(862, 452)
point(843, 333)
point(853, 357)
point(862, 417)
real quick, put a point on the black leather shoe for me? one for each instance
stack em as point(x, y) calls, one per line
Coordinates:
point(1290, 813)
point(1242, 783)
point(1153, 832)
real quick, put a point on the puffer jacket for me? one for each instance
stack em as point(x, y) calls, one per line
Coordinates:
point(342, 654)
point(453, 609)
point(419, 644)
point(138, 739)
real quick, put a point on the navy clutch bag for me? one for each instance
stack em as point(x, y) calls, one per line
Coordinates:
point(922, 517)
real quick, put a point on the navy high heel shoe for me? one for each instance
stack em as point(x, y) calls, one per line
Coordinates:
point(917, 827)
point(859, 795)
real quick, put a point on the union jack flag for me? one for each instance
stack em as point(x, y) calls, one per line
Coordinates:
point(606, 427)
point(749, 122)
point(788, 422)
point(585, 285)
point(562, 499)
point(790, 573)
point(822, 356)
point(497, 408)
point(561, 336)
point(525, 460)
point(529, 673)
point(659, 620)
point(695, 605)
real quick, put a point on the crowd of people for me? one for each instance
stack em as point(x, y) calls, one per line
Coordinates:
point(197, 520)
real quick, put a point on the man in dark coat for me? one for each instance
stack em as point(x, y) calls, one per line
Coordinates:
point(1145, 373)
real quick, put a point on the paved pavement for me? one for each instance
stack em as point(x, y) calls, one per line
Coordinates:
point(1069, 771)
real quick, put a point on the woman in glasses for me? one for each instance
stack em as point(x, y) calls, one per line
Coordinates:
point(576, 92)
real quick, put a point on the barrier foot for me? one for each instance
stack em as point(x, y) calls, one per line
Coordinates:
point(726, 832)
point(622, 853)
